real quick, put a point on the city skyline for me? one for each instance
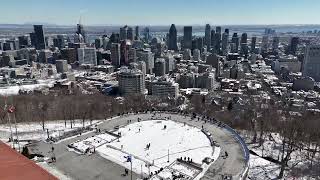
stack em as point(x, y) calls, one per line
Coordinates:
point(98, 12)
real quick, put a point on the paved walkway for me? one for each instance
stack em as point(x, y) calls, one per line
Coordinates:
point(84, 167)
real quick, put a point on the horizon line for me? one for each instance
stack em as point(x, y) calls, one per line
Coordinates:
point(52, 24)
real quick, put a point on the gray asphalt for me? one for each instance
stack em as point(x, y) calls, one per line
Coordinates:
point(85, 167)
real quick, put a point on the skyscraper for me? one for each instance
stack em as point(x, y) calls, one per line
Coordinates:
point(235, 41)
point(207, 36)
point(253, 43)
point(213, 40)
point(146, 34)
point(115, 54)
point(225, 41)
point(244, 38)
point(160, 67)
point(39, 38)
point(172, 42)
point(275, 43)
point(218, 29)
point(265, 44)
point(293, 46)
point(148, 58)
point(244, 44)
point(137, 35)
point(130, 33)
point(217, 42)
point(123, 32)
point(80, 30)
point(187, 37)
point(311, 63)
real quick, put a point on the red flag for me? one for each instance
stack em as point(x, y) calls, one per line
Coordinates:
point(11, 109)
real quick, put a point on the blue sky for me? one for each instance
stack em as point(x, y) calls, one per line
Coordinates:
point(161, 12)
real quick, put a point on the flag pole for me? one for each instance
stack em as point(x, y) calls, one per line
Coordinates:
point(131, 168)
point(15, 124)
point(9, 120)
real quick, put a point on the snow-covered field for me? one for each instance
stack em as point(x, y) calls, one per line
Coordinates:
point(14, 90)
point(177, 139)
point(34, 131)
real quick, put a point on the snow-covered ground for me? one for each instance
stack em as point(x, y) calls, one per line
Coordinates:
point(34, 131)
point(264, 169)
point(261, 169)
point(14, 90)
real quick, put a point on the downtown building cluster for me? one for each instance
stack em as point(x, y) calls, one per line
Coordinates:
point(137, 61)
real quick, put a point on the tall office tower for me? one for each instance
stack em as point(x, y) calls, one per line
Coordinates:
point(81, 31)
point(244, 38)
point(131, 81)
point(218, 29)
point(125, 46)
point(244, 44)
point(225, 41)
point(132, 55)
point(235, 40)
point(293, 46)
point(207, 36)
point(115, 54)
point(40, 42)
point(24, 41)
point(124, 33)
point(253, 43)
point(265, 44)
point(213, 38)
point(217, 42)
point(115, 38)
point(137, 33)
point(199, 44)
point(187, 37)
point(170, 63)
point(146, 34)
point(59, 41)
point(148, 58)
point(275, 43)
point(311, 62)
point(218, 39)
point(87, 56)
point(172, 41)
point(130, 33)
point(227, 31)
point(160, 67)
point(244, 50)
